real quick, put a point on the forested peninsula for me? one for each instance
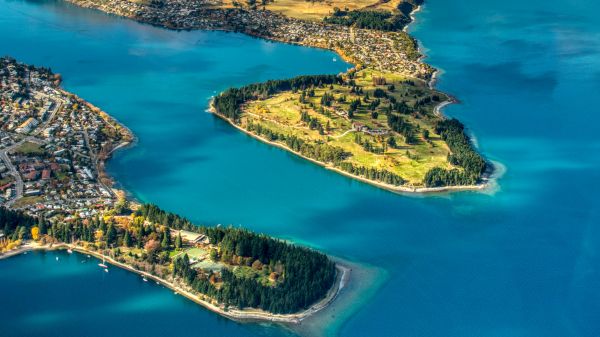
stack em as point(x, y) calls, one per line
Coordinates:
point(233, 271)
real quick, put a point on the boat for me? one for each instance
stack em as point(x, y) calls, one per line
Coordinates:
point(70, 251)
point(144, 278)
point(57, 258)
point(106, 270)
point(157, 282)
point(334, 59)
point(103, 264)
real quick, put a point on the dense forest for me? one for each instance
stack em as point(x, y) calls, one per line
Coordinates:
point(156, 215)
point(375, 19)
point(15, 224)
point(307, 275)
point(369, 19)
point(463, 154)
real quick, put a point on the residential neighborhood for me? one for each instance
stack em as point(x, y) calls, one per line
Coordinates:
point(52, 146)
point(381, 50)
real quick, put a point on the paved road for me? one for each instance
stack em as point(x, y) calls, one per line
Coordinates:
point(94, 157)
point(19, 186)
point(13, 171)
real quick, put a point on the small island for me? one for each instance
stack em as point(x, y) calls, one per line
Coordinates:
point(54, 145)
point(379, 122)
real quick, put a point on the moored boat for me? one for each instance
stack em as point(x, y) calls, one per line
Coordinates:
point(103, 264)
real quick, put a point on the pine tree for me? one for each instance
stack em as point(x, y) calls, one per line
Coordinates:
point(140, 236)
point(126, 239)
point(166, 239)
point(42, 225)
point(178, 241)
point(102, 225)
point(111, 235)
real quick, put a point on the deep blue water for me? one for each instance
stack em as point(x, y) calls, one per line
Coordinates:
point(521, 261)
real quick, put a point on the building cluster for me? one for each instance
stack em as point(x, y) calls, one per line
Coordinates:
point(360, 127)
point(52, 146)
point(385, 51)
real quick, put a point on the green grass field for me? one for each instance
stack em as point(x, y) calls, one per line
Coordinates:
point(281, 113)
point(249, 272)
point(29, 148)
point(27, 201)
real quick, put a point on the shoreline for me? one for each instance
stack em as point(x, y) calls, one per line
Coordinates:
point(488, 177)
point(243, 315)
point(388, 187)
point(129, 139)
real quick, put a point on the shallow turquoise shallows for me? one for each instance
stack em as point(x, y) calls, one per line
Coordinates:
point(522, 260)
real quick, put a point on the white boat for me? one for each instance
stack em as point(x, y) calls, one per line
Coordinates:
point(106, 270)
point(103, 264)
point(144, 278)
point(70, 251)
point(334, 59)
point(57, 258)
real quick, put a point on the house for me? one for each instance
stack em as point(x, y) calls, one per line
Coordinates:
point(31, 175)
point(201, 239)
point(45, 174)
point(360, 127)
point(30, 193)
point(27, 126)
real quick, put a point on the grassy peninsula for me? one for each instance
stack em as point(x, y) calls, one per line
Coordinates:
point(376, 126)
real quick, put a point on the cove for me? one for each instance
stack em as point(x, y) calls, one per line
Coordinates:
point(521, 261)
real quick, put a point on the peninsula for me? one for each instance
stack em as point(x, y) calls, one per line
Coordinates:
point(53, 145)
point(231, 271)
point(378, 122)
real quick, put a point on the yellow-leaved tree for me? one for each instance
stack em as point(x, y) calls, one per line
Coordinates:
point(35, 233)
point(99, 235)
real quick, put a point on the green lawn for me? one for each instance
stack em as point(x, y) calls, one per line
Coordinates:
point(249, 272)
point(209, 265)
point(27, 201)
point(29, 148)
point(281, 114)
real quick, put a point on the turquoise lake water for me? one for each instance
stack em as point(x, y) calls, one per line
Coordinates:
point(522, 260)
